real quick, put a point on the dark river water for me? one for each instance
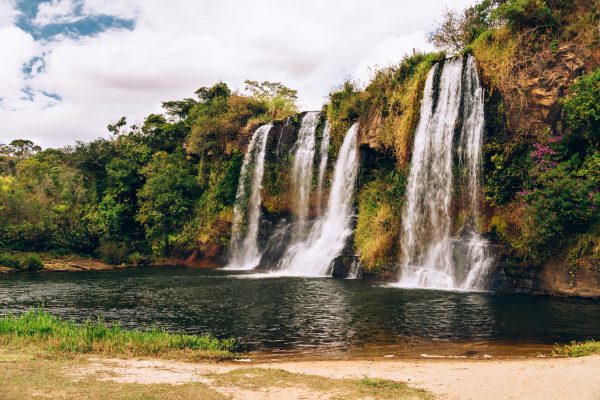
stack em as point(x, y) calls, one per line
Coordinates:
point(301, 314)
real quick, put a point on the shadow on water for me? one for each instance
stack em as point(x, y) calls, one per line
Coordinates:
point(301, 314)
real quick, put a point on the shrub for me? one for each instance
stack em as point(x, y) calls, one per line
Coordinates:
point(577, 349)
point(563, 205)
point(135, 258)
point(523, 14)
point(8, 260)
point(342, 111)
point(31, 263)
point(112, 253)
point(582, 108)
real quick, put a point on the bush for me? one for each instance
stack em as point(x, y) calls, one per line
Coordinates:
point(135, 258)
point(562, 206)
point(523, 14)
point(27, 262)
point(8, 260)
point(31, 263)
point(582, 108)
point(112, 253)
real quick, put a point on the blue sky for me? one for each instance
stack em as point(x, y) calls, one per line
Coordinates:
point(70, 67)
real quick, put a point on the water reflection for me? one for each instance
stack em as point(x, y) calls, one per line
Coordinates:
point(300, 313)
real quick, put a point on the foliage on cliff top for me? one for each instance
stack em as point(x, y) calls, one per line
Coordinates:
point(343, 109)
point(387, 108)
point(393, 102)
point(221, 116)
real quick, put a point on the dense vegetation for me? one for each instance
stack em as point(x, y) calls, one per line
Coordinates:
point(167, 188)
point(160, 189)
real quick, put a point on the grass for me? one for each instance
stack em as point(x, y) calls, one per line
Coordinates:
point(577, 349)
point(24, 262)
point(25, 376)
point(255, 379)
point(38, 328)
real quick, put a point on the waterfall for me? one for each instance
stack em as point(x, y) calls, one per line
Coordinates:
point(324, 153)
point(302, 170)
point(474, 259)
point(431, 256)
point(472, 135)
point(243, 251)
point(327, 238)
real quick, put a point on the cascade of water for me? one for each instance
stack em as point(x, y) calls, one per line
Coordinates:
point(475, 259)
point(327, 238)
point(472, 135)
point(324, 153)
point(302, 170)
point(431, 257)
point(243, 250)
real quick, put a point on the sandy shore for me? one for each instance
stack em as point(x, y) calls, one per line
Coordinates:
point(66, 264)
point(544, 378)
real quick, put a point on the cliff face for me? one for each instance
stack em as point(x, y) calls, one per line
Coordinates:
point(539, 178)
point(536, 160)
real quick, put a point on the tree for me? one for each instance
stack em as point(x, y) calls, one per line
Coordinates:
point(115, 128)
point(279, 99)
point(179, 110)
point(167, 197)
point(458, 30)
point(219, 90)
point(20, 148)
point(219, 117)
point(161, 135)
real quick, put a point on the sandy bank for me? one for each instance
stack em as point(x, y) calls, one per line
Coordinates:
point(545, 378)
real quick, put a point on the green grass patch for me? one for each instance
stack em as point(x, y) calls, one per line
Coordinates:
point(255, 379)
point(25, 262)
point(577, 349)
point(39, 328)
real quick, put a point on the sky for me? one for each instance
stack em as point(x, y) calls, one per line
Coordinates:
point(68, 68)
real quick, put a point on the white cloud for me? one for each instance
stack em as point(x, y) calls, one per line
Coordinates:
point(8, 12)
point(18, 48)
point(179, 46)
point(56, 12)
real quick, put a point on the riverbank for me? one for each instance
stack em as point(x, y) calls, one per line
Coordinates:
point(30, 375)
point(45, 356)
point(58, 263)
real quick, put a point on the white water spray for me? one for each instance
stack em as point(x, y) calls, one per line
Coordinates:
point(243, 252)
point(302, 170)
point(324, 153)
point(327, 238)
point(431, 257)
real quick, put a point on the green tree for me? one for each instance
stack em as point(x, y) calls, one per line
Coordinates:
point(278, 98)
point(167, 197)
point(219, 118)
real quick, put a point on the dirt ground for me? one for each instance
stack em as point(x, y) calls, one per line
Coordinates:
point(544, 378)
